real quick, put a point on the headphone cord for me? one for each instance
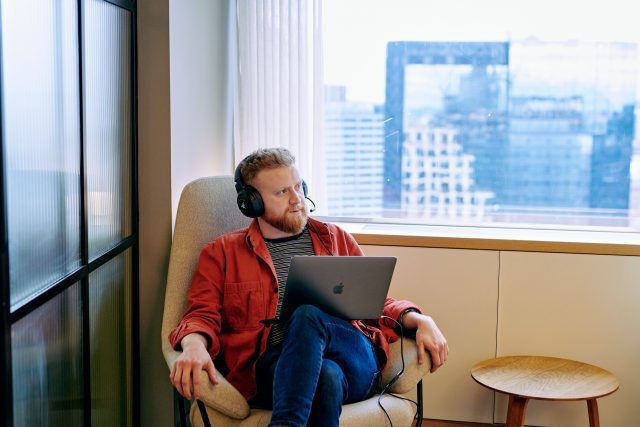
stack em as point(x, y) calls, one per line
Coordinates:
point(397, 376)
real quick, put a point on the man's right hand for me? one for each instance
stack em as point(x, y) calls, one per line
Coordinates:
point(185, 374)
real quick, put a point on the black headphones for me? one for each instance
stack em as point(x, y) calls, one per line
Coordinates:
point(249, 200)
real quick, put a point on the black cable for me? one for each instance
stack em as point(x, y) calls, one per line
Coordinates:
point(397, 396)
point(183, 418)
point(397, 376)
point(203, 413)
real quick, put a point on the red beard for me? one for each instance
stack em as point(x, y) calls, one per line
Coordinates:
point(289, 223)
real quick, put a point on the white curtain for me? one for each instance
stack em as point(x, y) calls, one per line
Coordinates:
point(278, 97)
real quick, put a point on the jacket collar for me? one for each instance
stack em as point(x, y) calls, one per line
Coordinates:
point(255, 240)
point(324, 236)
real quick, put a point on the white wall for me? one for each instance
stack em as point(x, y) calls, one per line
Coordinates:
point(491, 303)
point(582, 307)
point(200, 134)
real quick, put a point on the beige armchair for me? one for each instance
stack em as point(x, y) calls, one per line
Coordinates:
point(206, 210)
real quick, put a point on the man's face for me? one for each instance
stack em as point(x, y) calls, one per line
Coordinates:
point(283, 197)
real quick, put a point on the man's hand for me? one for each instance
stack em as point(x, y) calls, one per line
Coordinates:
point(185, 374)
point(428, 338)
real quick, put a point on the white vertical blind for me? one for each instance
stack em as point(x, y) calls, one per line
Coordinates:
point(279, 93)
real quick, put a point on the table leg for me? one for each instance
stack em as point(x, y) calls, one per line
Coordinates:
point(594, 418)
point(516, 411)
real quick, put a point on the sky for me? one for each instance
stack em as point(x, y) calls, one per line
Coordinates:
point(356, 32)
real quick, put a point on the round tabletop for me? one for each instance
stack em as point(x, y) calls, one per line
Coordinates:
point(546, 378)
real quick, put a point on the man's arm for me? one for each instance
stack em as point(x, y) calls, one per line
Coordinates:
point(428, 338)
point(197, 333)
point(186, 370)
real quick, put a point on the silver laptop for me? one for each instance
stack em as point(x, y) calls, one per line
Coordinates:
point(349, 287)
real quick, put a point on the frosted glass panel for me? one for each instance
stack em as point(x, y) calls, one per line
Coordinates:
point(107, 65)
point(110, 319)
point(47, 364)
point(40, 119)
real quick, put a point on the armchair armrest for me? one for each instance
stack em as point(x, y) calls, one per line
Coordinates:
point(223, 397)
point(413, 371)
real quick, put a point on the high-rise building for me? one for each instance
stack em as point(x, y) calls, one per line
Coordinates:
point(610, 165)
point(354, 150)
point(549, 154)
point(437, 177)
point(549, 124)
point(464, 79)
point(634, 196)
point(571, 97)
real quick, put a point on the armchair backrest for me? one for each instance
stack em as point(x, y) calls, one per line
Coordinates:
point(207, 209)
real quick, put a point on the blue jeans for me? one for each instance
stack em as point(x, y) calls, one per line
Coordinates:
point(322, 363)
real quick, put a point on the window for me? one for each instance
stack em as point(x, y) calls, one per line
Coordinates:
point(67, 168)
point(525, 114)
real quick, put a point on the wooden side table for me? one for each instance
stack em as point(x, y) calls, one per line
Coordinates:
point(544, 378)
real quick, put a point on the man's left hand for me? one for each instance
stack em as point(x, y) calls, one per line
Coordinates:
point(428, 338)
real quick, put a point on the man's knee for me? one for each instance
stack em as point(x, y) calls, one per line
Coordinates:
point(310, 322)
point(306, 312)
point(332, 381)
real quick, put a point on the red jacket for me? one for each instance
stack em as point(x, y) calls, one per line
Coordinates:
point(235, 286)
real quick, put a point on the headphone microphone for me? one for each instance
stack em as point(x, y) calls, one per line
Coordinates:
point(312, 202)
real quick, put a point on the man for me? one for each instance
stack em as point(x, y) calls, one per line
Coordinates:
point(307, 367)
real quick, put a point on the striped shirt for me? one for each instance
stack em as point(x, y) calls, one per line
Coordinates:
point(282, 250)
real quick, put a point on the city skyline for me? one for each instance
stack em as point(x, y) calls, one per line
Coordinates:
point(537, 142)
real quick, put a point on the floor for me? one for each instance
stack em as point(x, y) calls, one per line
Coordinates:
point(438, 423)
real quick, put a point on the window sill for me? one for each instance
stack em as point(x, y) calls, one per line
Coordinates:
point(493, 238)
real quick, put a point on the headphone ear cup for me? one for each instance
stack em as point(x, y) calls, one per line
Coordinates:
point(305, 189)
point(249, 202)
